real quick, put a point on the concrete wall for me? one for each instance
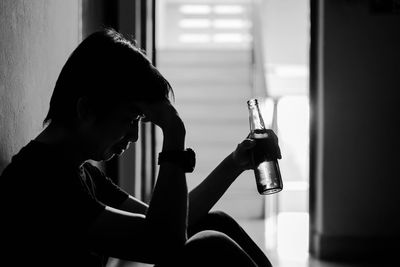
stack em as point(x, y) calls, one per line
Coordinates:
point(357, 178)
point(36, 38)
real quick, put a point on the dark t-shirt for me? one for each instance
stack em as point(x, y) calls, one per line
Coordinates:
point(47, 206)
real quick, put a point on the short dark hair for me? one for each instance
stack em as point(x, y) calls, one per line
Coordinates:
point(106, 69)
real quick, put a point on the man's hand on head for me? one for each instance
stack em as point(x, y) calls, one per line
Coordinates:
point(163, 114)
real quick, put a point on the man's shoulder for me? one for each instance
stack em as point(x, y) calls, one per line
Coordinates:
point(33, 158)
point(21, 157)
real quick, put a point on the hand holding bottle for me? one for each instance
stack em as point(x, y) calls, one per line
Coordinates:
point(250, 152)
point(164, 115)
point(266, 152)
point(242, 155)
point(266, 146)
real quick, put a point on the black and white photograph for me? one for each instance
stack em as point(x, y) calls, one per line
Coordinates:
point(200, 133)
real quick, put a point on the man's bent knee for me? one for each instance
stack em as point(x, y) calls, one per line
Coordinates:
point(220, 216)
point(208, 238)
point(213, 248)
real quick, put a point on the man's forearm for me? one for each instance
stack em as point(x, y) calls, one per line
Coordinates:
point(203, 197)
point(168, 208)
point(169, 203)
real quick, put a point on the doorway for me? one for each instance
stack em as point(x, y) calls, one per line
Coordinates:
point(219, 54)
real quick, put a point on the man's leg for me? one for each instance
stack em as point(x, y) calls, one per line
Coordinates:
point(211, 249)
point(215, 249)
point(221, 222)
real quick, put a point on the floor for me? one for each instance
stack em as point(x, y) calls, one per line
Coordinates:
point(289, 245)
point(291, 242)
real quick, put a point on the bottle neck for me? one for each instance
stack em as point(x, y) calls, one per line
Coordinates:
point(255, 118)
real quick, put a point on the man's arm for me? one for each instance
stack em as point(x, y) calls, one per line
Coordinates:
point(134, 205)
point(161, 232)
point(168, 207)
point(203, 197)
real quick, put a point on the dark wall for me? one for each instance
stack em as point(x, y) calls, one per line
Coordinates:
point(356, 182)
point(97, 14)
point(36, 39)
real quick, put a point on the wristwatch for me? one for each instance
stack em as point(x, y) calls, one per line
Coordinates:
point(186, 159)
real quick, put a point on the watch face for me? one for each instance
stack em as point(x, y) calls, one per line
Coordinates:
point(190, 160)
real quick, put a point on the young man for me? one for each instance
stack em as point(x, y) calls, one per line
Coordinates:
point(59, 210)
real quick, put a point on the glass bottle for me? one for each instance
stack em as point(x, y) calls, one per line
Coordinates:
point(266, 167)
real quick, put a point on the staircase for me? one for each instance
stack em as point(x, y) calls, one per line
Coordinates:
point(211, 89)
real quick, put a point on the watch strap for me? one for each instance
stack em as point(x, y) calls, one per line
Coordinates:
point(186, 159)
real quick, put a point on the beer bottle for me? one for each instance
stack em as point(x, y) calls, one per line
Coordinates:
point(265, 154)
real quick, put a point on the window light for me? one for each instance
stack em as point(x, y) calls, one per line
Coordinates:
point(195, 9)
point(194, 23)
point(231, 23)
point(228, 9)
point(229, 38)
point(194, 38)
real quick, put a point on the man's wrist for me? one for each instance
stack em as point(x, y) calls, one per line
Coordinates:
point(173, 142)
point(236, 163)
point(186, 159)
point(174, 138)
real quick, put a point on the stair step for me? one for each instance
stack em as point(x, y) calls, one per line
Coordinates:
point(207, 75)
point(213, 112)
point(203, 57)
point(217, 138)
point(211, 95)
point(211, 89)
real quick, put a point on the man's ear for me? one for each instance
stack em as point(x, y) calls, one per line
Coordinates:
point(84, 111)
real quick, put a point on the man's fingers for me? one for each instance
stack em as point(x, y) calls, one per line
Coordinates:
point(248, 143)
